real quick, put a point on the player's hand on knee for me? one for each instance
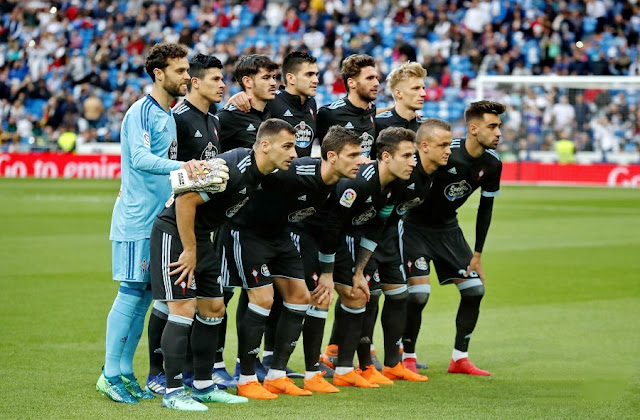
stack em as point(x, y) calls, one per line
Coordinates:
point(359, 283)
point(185, 266)
point(324, 290)
point(476, 265)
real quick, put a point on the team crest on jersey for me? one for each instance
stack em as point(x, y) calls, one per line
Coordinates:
point(376, 276)
point(304, 134)
point(367, 143)
point(408, 205)
point(173, 150)
point(363, 218)
point(421, 264)
point(265, 270)
point(348, 197)
point(146, 139)
point(457, 190)
point(209, 152)
point(300, 215)
point(231, 211)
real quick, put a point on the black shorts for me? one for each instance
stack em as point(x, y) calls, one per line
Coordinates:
point(447, 248)
point(166, 248)
point(308, 248)
point(385, 265)
point(254, 260)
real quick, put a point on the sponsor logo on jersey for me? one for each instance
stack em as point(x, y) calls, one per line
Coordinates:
point(421, 264)
point(367, 143)
point(173, 150)
point(304, 134)
point(453, 171)
point(197, 134)
point(364, 217)
point(146, 139)
point(300, 215)
point(251, 128)
point(457, 190)
point(288, 113)
point(265, 270)
point(348, 197)
point(408, 205)
point(348, 125)
point(209, 152)
point(303, 198)
point(231, 211)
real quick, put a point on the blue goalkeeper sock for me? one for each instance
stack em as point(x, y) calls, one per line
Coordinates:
point(135, 332)
point(118, 326)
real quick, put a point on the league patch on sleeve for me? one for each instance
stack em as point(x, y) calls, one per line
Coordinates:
point(146, 139)
point(348, 197)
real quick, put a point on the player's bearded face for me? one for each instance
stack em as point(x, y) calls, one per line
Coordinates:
point(412, 93)
point(367, 84)
point(176, 77)
point(264, 85)
point(349, 160)
point(489, 131)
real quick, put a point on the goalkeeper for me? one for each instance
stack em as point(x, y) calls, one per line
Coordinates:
point(186, 265)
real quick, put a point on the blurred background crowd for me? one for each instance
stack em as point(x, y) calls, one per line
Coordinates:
point(72, 68)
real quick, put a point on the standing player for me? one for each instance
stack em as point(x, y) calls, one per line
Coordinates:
point(408, 90)
point(198, 137)
point(264, 254)
point(148, 145)
point(430, 232)
point(256, 75)
point(357, 110)
point(349, 235)
point(181, 236)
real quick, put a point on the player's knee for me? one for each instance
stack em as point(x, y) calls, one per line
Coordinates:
point(398, 293)
point(300, 309)
point(300, 296)
point(354, 309)
point(211, 308)
point(419, 294)
point(471, 288)
point(263, 301)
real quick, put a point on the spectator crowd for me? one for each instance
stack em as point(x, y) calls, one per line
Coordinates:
point(74, 67)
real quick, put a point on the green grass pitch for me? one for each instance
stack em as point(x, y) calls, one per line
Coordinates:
point(559, 328)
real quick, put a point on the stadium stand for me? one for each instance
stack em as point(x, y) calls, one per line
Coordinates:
point(56, 57)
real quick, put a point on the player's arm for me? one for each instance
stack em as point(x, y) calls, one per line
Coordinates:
point(483, 221)
point(241, 100)
point(143, 160)
point(186, 205)
point(363, 254)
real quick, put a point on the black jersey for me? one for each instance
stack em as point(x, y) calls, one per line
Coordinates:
point(239, 129)
point(198, 133)
point(358, 206)
point(391, 118)
point(285, 198)
point(244, 179)
point(344, 113)
point(302, 116)
point(454, 183)
point(416, 190)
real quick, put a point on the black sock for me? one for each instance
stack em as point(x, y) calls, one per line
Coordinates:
point(250, 336)
point(394, 316)
point(467, 317)
point(174, 346)
point(272, 323)
point(204, 336)
point(241, 310)
point(334, 330)
point(368, 326)
point(287, 334)
point(415, 305)
point(188, 356)
point(350, 329)
point(222, 330)
point(312, 333)
point(157, 322)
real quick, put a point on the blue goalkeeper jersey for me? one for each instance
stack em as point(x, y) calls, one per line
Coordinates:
point(148, 152)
